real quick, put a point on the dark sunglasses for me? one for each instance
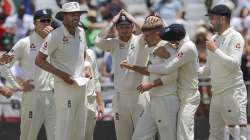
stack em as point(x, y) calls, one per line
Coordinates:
point(44, 20)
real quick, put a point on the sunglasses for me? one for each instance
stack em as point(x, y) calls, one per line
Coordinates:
point(44, 20)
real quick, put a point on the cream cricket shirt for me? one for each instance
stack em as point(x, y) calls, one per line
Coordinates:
point(171, 87)
point(134, 51)
point(224, 63)
point(65, 50)
point(186, 63)
point(25, 51)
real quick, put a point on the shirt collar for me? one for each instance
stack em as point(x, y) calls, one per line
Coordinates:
point(66, 32)
point(37, 36)
point(185, 39)
point(227, 31)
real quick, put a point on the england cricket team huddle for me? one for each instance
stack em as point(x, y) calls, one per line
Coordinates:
point(155, 78)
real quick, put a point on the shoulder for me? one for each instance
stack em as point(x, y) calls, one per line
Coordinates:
point(236, 35)
point(23, 42)
point(189, 47)
point(55, 35)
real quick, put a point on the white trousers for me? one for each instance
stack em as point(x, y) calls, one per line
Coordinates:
point(186, 113)
point(160, 116)
point(228, 108)
point(91, 118)
point(70, 111)
point(127, 109)
point(37, 108)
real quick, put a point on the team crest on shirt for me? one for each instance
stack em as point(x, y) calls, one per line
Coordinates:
point(179, 55)
point(237, 46)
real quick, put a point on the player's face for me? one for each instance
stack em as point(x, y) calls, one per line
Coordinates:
point(151, 37)
point(40, 24)
point(216, 22)
point(125, 30)
point(72, 18)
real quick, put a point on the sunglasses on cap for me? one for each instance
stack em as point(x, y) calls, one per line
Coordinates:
point(44, 20)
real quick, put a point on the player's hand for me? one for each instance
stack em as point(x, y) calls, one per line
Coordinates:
point(116, 17)
point(144, 87)
point(153, 19)
point(100, 112)
point(210, 44)
point(7, 92)
point(129, 16)
point(125, 64)
point(26, 85)
point(162, 53)
point(87, 72)
point(6, 58)
point(46, 31)
point(68, 79)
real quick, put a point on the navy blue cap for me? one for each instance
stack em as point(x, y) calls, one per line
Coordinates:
point(220, 10)
point(174, 32)
point(43, 14)
point(123, 20)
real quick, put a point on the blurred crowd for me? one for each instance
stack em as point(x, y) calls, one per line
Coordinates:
point(16, 22)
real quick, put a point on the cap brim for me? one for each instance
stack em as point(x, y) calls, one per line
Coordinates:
point(59, 15)
point(162, 34)
point(209, 14)
point(124, 23)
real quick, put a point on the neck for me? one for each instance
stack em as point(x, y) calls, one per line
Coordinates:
point(71, 29)
point(153, 44)
point(41, 34)
point(124, 39)
point(223, 28)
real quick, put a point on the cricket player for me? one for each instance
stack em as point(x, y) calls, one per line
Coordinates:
point(186, 63)
point(229, 100)
point(161, 113)
point(38, 106)
point(128, 105)
point(66, 46)
point(95, 105)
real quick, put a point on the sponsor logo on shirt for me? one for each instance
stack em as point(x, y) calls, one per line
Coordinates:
point(121, 46)
point(69, 104)
point(30, 114)
point(65, 40)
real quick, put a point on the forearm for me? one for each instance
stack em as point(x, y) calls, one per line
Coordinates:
point(228, 61)
point(139, 69)
point(106, 31)
point(49, 68)
point(99, 99)
point(6, 73)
